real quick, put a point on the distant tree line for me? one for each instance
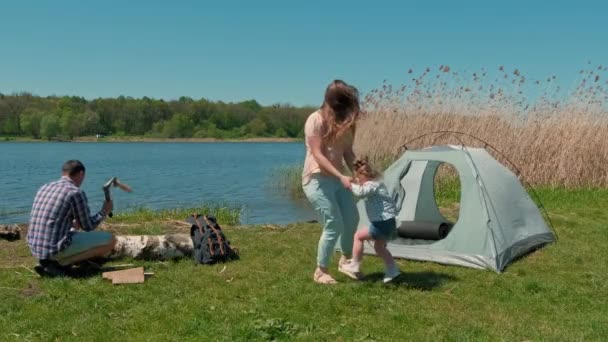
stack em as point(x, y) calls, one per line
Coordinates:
point(24, 114)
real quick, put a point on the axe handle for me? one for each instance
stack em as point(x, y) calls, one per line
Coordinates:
point(124, 187)
point(114, 182)
point(106, 192)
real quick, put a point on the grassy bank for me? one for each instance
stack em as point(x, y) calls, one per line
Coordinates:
point(557, 293)
point(227, 213)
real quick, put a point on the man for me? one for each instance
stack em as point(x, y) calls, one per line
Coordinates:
point(59, 206)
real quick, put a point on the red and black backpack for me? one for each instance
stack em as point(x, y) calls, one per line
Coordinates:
point(210, 243)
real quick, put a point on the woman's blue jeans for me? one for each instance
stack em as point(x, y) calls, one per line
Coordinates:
point(337, 211)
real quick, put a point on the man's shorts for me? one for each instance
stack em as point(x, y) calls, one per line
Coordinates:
point(82, 242)
point(383, 230)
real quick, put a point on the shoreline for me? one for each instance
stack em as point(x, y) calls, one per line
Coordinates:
point(151, 140)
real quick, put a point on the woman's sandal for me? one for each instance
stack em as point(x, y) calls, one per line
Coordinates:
point(324, 278)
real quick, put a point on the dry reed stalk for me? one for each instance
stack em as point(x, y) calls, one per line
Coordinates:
point(557, 140)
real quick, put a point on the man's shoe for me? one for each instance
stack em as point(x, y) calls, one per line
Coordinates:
point(51, 269)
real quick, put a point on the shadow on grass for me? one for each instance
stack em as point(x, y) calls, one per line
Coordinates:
point(86, 272)
point(90, 269)
point(424, 281)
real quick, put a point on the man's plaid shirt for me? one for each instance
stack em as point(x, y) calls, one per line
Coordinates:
point(55, 206)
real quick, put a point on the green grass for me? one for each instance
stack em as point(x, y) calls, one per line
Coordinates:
point(227, 213)
point(559, 293)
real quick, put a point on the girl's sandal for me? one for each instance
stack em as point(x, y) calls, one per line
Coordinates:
point(324, 278)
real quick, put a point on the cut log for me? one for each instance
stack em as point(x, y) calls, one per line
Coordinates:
point(10, 232)
point(152, 247)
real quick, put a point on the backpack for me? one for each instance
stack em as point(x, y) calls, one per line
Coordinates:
point(209, 242)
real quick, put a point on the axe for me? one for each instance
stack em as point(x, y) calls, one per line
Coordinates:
point(114, 182)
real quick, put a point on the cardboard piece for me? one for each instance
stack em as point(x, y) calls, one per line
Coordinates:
point(129, 276)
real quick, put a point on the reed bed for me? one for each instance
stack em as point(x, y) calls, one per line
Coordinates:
point(555, 138)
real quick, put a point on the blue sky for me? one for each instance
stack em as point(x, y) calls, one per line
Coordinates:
point(282, 51)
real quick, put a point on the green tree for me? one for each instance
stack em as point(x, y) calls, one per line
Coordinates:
point(252, 105)
point(49, 126)
point(257, 127)
point(91, 123)
point(180, 126)
point(30, 121)
point(72, 124)
point(280, 133)
point(22, 113)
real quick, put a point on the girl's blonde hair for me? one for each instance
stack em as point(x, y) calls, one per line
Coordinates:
point(340, 109)
point(363, 167)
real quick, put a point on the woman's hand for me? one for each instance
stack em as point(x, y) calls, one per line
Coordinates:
point(346, 181)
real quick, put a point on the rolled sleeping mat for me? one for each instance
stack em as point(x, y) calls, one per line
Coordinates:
point(423, 230)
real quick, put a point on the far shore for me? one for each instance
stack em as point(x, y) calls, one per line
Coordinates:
point(150, 139)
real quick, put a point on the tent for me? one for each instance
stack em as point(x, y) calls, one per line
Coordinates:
point(497, 223)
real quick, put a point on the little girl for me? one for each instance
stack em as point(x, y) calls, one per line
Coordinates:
point(381, 212)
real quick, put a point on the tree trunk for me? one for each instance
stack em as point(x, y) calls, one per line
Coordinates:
point(152, 247)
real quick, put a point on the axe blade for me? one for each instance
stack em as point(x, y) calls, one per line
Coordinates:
point(111, 182)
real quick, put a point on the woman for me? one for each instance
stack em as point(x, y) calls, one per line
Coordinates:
point(330, 133)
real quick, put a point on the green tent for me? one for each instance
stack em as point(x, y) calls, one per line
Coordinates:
point(497, 223)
